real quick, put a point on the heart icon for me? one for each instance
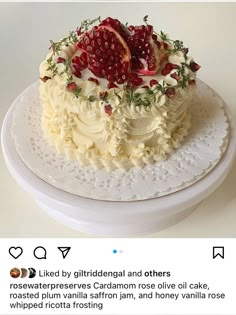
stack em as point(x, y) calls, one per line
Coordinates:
point(15, 252)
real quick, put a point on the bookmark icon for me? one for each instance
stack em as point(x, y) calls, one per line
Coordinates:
point(64, 251)
point(218, 251)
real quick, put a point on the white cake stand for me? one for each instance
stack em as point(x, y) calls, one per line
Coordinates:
point(118, 218)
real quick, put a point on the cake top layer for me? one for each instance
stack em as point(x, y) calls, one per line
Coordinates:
point(114, 57)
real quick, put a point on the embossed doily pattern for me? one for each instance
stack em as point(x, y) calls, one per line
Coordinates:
point(200, 152)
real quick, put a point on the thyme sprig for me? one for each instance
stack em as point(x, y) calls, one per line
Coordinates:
point(52, 67)
point(56, 48)
point(69, 79)
point(66, 63)
point(178, 45)
point(72, 38)
point(77, 91)
point(184, 77)
point(92, 98)
point(147, 98)
point(85, 25)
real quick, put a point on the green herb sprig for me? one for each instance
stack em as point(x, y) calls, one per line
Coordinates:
point(92, 98)
point(77, 91)
point(52, 66)
point(85, 25)
point(72, 38)
point(144, 99)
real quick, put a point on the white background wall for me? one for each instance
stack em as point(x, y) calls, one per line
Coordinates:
point(208, 29)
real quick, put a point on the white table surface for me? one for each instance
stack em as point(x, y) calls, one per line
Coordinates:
point(25, 29)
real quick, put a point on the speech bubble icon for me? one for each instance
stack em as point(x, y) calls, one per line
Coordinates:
point(40, 252)
point(218, 251)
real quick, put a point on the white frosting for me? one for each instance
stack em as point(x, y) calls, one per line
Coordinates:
point(131, 136)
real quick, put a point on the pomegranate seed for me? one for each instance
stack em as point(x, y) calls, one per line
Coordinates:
point(84, 57)
point(78, 31)
point(80, 63)
point(111, 85)
point(175, 76)
point(108, 109)
point(93, 80)
point(111, 78)
point(89, 49)
point(170, 92)
point(103, 94)
point(192, 82)
point(131, 28)
point(77, 73)
point(157, 43)
point(91, 34)
point(153, 82)
point(79, 45)
point(149, 29)
point(45, 78)
point(165, 71)
point(60, 60)
point(76, 60)
point(138, 81)
point(171, 66)
point(185, 51)
point(109, 20)
point(165, 45)
point(71, 86)
point(154, 37)
point(132, 75)
point(120, 80)
point(194, 66)
point(77, 67)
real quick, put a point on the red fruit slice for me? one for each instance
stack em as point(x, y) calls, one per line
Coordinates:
point(107, 52)
point(145, 54)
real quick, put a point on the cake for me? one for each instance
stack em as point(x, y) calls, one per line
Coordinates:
point(115, 95)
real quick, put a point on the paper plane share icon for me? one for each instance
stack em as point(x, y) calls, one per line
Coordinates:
point(64, 251)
